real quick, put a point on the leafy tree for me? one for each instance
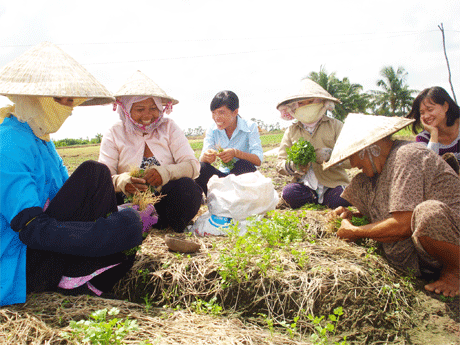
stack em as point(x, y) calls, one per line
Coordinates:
point(395, 98)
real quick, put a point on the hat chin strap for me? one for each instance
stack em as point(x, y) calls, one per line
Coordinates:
point(374, 168)
point(373, 150)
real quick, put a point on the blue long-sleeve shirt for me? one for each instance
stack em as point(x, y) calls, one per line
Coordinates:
point(31, 172)
point(245, 138)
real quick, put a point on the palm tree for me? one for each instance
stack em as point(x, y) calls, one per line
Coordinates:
point(396, 97)
point(351, 96)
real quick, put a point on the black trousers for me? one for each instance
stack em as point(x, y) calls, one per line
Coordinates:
point(87, 195)
point(242, 166)
point(180, 203)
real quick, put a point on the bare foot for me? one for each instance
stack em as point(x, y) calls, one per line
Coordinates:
point(447, 285)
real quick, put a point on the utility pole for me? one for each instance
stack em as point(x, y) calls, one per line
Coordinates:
point(441, 27)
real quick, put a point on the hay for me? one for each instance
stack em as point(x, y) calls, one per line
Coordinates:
point(337, 274)
point(44, 318)
point(143, 198)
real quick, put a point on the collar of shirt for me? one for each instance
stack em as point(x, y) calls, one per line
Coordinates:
point(240, 126)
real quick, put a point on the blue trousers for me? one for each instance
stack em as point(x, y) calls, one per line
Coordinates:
point(297, 195)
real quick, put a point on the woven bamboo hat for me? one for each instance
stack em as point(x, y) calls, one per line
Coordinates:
point(46, 70)
point(360, 131)
point(141, 85)
point(308, 89)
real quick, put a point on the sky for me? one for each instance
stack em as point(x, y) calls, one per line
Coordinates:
point(258, 49)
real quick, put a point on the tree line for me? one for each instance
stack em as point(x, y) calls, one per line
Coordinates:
point(71, 142)
point(393, 99)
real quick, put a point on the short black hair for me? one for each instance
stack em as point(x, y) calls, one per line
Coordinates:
point(439, 96)
point(227, 98)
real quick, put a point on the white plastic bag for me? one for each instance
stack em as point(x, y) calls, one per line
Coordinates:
point(242, 196)
point(208, 224)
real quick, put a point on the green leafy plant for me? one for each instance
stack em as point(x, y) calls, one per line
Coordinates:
point(356, 221)
point(101, 330)
point(148, 303)
point(261, 247)
point(291, 328)
point(325, 329)
point(301, 153)
point(203, 307)
point(270, 323)
point(230, 164)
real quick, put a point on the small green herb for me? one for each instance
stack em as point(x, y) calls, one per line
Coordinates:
point(301, 153)
point(101, 330)
point(324, 329)
point(203, 307)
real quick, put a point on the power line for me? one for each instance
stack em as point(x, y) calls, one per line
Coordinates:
point(232, 39)
point(284, 48)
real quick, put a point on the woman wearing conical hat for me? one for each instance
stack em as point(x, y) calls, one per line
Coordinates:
point(409, 193)
point(311, 185)
point(57, 233)
point(146, 139)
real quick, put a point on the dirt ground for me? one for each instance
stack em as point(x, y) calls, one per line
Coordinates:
point(438, 317)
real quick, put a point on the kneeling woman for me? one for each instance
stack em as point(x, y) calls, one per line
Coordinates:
point(145, 138)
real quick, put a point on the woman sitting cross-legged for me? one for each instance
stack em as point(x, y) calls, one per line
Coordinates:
point(57, 233)
point(145, 139)
point(232, 139)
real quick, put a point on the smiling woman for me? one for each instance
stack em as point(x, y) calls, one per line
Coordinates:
point(146, 139)
point(437, 113)
point(145, 112)
point(232, 139)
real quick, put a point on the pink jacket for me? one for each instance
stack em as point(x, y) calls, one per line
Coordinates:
point(121, 151)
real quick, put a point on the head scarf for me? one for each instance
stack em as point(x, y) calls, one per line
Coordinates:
point(43, 114)
point(288, 110)
point(123, 107)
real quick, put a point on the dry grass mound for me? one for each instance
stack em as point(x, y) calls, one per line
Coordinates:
point(270, 282)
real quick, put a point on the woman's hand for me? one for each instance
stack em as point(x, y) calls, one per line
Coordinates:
point(323, 154)
point(432, 130)
point(348, 231)
point(342, 212)
point(303, 168)
point(209, 156)
point(153, 177)
point(137, 184)
point(227, 155)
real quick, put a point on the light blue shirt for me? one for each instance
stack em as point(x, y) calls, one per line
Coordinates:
point(31, 172)
point(245, 138)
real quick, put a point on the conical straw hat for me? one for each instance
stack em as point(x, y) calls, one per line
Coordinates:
point(360, 131)
point(141, 85)
point(308, 89)
point(46, 70)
